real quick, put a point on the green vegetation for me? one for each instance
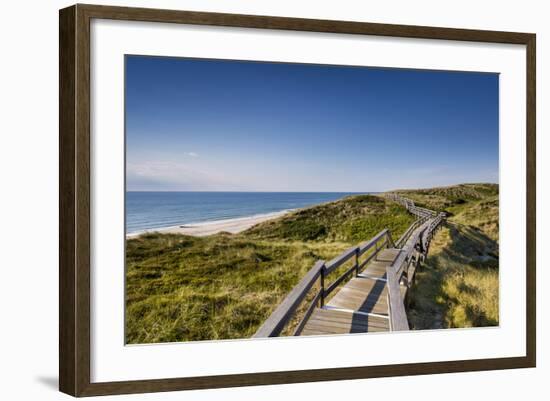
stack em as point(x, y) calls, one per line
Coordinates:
point(458, 284)
point(452, 200)
point(181, 288)
point(356, 218)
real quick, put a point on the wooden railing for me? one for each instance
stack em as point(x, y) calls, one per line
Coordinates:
point(432, 228)
point(403, 239)
point(413, 245)
point(410, 206)
point(401, 271)
point(319, 273)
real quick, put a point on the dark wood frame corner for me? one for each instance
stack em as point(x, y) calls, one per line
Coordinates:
point(74, 199)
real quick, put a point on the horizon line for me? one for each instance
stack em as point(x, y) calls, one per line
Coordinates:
point(297, 192)
point(326, 192)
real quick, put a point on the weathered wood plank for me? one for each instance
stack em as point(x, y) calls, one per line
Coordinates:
point(346, 300)
point(349, 321)
point(370, 321)
point(325, 321)
point(388, 255)
point(375, 270)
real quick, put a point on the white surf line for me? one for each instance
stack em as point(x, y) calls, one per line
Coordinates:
point(328, 307)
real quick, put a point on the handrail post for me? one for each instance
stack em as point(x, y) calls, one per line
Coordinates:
point(356, 262)
point(322, 299)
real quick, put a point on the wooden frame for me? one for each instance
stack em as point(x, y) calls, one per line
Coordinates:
point(74, 202)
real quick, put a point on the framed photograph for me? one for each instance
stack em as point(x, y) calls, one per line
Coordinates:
point(249, 200)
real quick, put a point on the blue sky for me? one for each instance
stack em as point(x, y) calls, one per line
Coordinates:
point(212, 125)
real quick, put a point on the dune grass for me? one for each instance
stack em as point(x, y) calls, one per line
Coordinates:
point(224, 286)
point(353, 219)
point(210, 288)
point(458, 285)
point(183, 288)
point(452, 199)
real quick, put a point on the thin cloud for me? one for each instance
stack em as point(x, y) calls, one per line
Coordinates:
point(176, 176)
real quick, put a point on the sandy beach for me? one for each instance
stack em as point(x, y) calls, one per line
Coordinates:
point(232, 226)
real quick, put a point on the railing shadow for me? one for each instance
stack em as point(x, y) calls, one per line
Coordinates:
point(376, 292)
point(359, 323)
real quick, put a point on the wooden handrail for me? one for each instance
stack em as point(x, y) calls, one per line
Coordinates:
point(396, 306)
point(275, 324)
point(422, 235)
point(411, 206)
point(401, 241)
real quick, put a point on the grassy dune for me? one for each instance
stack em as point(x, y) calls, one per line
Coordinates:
point(458, 284)
point(182, 288)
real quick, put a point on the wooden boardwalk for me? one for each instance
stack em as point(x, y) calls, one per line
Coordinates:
point(361, 305)
point(369, 296)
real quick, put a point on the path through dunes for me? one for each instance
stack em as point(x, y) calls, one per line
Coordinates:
point(369, 296)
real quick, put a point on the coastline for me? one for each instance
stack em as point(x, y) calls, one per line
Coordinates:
point(233, 226)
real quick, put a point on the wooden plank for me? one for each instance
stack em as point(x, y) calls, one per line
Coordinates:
point(377, 265)
point(365, 285)
point(325, 321)
point(378, 308)
point(328, 332)
point(377, 271)
point(360, 299)
point(346, 300)
point(308, 332)
point(342, 317)
point(345, 317)
point(364, 303)
point(337, 329)
point(279, 318)
point(365, 295)
point(388, 255)
point(330, 313)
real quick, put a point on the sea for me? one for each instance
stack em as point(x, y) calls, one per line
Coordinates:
point(154, 210)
